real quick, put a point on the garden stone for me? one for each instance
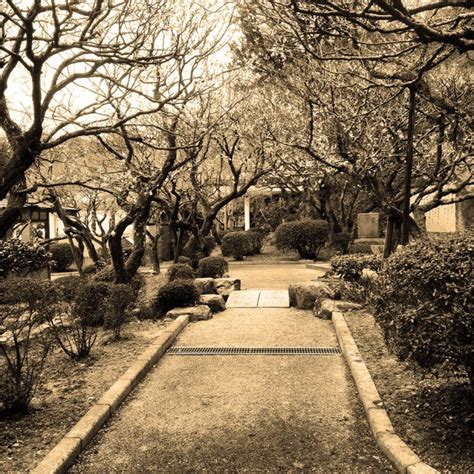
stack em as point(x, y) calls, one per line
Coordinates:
point(215, 302)
point(304, 295)
point(323, 309)
point(225, 286)
point(369, 274)
point(195, 313)
point(205, 286)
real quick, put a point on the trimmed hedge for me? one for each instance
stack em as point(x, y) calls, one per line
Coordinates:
point(180, 271)
point(306, 237)
point(236, 244)
point(62, 257)
point(423, 301)
point(212, 267)
point(175, 294)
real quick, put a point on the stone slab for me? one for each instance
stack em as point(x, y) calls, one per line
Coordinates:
point(274, 299)
point(368, 225)
point(243, 299)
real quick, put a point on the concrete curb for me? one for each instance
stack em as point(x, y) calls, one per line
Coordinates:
point(276, 262)
point(399, 453)
point(66, 451)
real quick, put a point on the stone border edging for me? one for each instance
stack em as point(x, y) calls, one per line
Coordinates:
point(275, 262)
point(399, 453)
point(75, 441)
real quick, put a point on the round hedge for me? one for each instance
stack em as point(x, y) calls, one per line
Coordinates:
point(62, 257)
point(257, 237)
point(185, 260)
point(306, 237)
point(237, 245)
point(212, 267)
point(179, 293)
point(180, 271)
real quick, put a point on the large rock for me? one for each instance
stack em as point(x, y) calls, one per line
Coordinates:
point(324, 308)
point(205, 286)
point(215, 302)
point(195, 313)
point(304, 295)
point(225, 286)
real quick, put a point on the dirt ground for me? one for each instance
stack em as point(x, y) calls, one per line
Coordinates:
point(434, 417)
point(69, 389)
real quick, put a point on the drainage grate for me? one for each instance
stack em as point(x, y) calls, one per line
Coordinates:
point(317, 351)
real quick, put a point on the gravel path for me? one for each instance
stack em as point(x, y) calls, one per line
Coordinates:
point(242, 413)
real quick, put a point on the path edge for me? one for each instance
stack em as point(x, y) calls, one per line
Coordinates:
point(74, 442)
point(397, 451)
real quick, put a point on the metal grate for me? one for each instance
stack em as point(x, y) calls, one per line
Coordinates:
point(317, 351)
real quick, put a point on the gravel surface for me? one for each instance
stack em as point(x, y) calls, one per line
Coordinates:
point(272, 277)
point(242, 413)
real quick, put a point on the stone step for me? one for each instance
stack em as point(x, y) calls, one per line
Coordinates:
point(259, 298)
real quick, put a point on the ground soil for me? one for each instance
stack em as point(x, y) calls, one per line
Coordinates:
point(435, 417)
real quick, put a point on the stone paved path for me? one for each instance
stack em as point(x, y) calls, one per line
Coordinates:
point(249, 413)
point(259, 299)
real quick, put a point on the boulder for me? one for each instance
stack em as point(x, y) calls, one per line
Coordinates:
point(304, 295)
point(195, 313)
point(215, 302)
point(205, 286)
point(324, 308)
point(225, 286)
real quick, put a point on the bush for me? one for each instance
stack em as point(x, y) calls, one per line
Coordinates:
point(25, 305)
point(307, 237)
point(423, 303)
point(341, 242)
point(107, 274)
point(257, 238)
point(212, 267)
point(21, 257)
point(236, 244)
point(119, 302)
point(62, 257)
point(209, 244)
point(185, 261)
point(180, 271)
point(82, 305)
point(359, 247)
point(349, 267)
point(91, 301)
point(175, 294)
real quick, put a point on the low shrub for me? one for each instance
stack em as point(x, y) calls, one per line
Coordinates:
point(236, 244)
point(212, 267)
point(359, 247)
point(61, 257)
point(21, 257)
point(423, 303)
point(257, 239)
point(119, 302)
point(209, 244)
point(349, 267)
point(341, 242)
point(185, 261)
point(306, 237)
point(180, 271)
point(176, 294)
point(24, 307)
point(67, 287)
point(91, 301)
point(75, 320)
point(105, 274)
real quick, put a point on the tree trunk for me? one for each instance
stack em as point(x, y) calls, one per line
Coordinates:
point(405, 233)
point(388, 246)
